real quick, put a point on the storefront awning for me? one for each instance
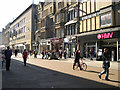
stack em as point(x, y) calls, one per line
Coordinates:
point(19, 45)
point(70, 22)
point(2, 46)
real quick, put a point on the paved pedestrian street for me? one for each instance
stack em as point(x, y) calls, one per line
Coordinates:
point(41, 73)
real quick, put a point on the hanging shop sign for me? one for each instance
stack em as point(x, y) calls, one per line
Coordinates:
point(57, 40)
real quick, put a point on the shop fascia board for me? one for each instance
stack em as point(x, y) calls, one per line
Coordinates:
point(99, 31)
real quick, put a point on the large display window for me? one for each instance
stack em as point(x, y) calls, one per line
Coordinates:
point(105, 19)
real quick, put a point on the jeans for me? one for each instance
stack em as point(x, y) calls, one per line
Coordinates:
point(25, 59)
point(91, 57)
point(106, 70)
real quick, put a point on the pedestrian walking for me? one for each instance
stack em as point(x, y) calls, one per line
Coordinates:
point(106, 64)
point(35, 53)
point(43, 53)
point(16, 52)
point(65, 53)
point(60, 53)
point(91, 54)
point(25, 55)
point(8, 54)
point(77, 57)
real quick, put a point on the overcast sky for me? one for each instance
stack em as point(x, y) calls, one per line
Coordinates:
point(10, 9)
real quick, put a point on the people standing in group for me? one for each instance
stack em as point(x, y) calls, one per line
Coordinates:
point(8, 54)
point(35, 53)
point(65, 53)
point(106, 64)
point(91, 54)
point(43, 54)
point(25, 55)
point(77, 57)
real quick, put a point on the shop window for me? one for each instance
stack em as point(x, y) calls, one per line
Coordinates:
point(105, 20)
point(117, 13)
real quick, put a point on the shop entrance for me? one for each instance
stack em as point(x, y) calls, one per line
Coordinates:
point(112, 49)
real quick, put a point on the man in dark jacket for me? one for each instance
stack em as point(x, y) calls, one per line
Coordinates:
point(77, 56)
point(106, 64)
point(8, 54)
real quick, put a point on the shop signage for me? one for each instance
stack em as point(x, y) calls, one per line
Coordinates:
point(89, 16)
point(105, 35)
point(43, 43)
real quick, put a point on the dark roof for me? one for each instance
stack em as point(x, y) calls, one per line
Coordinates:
point(23, 13)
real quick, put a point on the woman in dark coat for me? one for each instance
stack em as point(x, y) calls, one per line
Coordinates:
point(77, 56)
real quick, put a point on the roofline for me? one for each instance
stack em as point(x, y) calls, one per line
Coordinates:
point(23, 13)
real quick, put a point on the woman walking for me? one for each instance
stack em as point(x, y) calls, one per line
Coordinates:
point(77, 56)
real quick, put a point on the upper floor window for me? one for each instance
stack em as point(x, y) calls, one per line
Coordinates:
point(72, 14)
point(59, 17)
point(50, 9)
point(60, 5)
point(45, 12)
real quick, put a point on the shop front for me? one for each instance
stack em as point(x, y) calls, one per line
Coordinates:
point(98, 41)
point(57, 44)
point(45, 45)
point(70, 46)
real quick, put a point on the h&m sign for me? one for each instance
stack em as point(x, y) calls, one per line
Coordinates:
point(105, 35)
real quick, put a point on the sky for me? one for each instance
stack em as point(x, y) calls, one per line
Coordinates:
point(11, 9)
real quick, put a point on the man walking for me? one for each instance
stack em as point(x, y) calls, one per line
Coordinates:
point(25, 55)
point(106, 64)
point(8, 54)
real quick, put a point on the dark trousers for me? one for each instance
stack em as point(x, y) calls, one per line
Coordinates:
point(35, 56)
point(42, 56)
point(25, 59)
point(77, 61)
point(8, 63)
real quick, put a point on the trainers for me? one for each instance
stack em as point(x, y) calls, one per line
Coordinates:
point(99, 76)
